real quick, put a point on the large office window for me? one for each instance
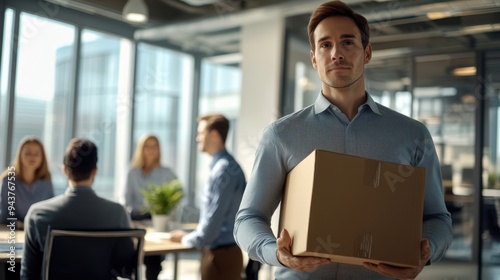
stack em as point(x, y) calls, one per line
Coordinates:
point(4, 82)
point(97, 107)
point(220, 93)
point(161, 102)
point(65, 90)
point(42, 88)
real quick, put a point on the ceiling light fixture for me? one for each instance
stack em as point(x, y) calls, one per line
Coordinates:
point(465, 71)
point(135, 11)
point(438, 15)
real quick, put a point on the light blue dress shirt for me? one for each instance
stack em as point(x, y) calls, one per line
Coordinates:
point(137, 181)
point(221, 200)
point(375, 132)
point(24, 195)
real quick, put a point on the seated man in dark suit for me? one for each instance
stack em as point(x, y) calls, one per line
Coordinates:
point(79, 208)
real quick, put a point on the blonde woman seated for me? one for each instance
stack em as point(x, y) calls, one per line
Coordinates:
point(146, 168)
point(25, 182)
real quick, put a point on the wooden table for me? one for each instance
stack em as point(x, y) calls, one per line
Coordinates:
point(466, 194)
point(156, 243)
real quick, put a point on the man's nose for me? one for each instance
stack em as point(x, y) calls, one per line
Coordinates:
point(336, 53)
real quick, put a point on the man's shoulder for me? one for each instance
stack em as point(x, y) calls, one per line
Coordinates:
point(63, 201)
point(225, 160)
point(46, 209)
point(303, 114)
point(296, 119)
point(104, 202)
point(396, 116)
point(48, 204)
point(228, 162)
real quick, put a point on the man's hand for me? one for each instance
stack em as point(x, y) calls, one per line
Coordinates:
point(403, 273)
point(286, 258)
point(177, 235)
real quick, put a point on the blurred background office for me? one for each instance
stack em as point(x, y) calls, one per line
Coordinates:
point(79, 68)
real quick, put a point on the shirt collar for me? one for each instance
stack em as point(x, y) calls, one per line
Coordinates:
point(78, 189)
point(322, 104)
point(217, 156)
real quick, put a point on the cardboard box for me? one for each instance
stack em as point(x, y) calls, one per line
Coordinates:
point(352, 209)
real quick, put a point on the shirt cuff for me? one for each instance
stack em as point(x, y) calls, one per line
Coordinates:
point(270, 255)
point(187, 240)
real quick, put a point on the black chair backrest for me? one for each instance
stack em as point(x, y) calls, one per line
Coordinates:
point(85, 254)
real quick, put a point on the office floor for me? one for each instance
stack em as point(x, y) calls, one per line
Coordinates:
point(189, 266)
point(446, 270)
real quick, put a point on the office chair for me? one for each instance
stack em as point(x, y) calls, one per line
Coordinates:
point(468, 176)
point(88, 254)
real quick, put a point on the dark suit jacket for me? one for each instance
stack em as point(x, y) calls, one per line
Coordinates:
point(78, 208)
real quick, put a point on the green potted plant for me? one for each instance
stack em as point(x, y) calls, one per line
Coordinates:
point(161, 200)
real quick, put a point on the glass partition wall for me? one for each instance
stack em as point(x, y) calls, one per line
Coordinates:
point(43, 89)
point(443, 100)
point(220, 92)
point(490, 86)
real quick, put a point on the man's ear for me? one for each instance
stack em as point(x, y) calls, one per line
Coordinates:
point(63, 169)
point(215, 138)
point(313, 59)
point(94, 172)
point(213, 134)
point(368, 53)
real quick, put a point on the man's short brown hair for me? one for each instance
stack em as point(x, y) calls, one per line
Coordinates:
point(80, 159)
point(218, 123)
point(337, 8)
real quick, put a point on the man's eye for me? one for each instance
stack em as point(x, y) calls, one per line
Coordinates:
point(325, 45)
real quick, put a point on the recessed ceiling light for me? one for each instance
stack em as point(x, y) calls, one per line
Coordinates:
point(438, 15)
point(464, 71)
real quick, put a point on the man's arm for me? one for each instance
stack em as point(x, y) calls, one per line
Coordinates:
point(436, 220)
point(31, 264)
point(220, 197)
point(3, 202)
point(262, 195)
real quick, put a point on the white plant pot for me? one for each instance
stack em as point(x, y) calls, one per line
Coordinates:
point(161, 223)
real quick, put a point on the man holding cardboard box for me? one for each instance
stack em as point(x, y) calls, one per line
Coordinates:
point(345, 120)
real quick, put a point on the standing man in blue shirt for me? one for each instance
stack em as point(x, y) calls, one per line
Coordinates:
point(221, 257)
point(343, 119)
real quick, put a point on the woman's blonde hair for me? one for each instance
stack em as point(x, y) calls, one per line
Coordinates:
point(138, 159)
point(42, 172)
